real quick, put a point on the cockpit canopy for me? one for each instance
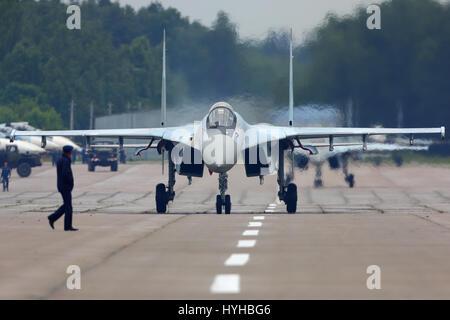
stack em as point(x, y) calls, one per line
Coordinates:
point(221, 117)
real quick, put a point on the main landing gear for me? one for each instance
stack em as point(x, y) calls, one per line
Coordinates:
point(349, 178)
point(223, 201)
point(288, 193)
point(165, 194)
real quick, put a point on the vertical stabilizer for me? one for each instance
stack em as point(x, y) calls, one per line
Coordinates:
point(291, 85)
point(163, 84)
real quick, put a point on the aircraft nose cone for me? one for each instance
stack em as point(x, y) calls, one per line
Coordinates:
point(220, 153)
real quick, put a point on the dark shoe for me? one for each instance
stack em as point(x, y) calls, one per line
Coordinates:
point(71, 229)
point(51, 222)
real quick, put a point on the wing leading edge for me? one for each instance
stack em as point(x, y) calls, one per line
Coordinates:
point(322, 132)
point(268, 133)
point(181, 134)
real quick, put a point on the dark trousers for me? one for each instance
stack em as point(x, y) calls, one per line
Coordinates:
point(65, 209)
point(5, 184)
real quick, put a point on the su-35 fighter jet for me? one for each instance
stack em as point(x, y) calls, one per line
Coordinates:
point(222, 139)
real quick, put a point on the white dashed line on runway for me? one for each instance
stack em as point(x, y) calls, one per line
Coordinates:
point(237, 259)
point(254, 224)
point(246, 243)
point(250, 233)
point(230, 283)
point(226, 283)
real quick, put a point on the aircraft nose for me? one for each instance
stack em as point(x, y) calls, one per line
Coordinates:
point(220, 153)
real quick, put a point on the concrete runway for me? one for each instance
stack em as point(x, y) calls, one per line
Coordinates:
point(396, 218)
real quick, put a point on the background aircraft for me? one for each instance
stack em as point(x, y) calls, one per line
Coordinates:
point(222, 137)
point(53, 144)
point(23, 147)
point(20, 155)
point(340, 156)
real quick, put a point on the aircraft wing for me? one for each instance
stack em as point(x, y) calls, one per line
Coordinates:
point(321, 132)
point(380, 147)
point(267, 133)
point(181, 134)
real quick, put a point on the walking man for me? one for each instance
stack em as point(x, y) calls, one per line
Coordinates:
point(6, 173)
point(65, 186)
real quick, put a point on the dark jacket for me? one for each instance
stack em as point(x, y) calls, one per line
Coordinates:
point(65, 176)
point(6, 173)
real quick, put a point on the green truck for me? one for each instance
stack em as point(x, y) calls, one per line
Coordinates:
point(22, 162)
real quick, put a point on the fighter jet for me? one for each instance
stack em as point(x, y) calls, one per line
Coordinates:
point(222, 138)
point(36, 141)
point(23, 147)
point(53, 144)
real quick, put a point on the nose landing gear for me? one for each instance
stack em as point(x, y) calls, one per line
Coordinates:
point(223, 200)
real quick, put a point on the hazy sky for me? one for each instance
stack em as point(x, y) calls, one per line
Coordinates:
point(255, 17)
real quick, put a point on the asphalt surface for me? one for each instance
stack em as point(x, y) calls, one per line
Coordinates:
point(395, 218)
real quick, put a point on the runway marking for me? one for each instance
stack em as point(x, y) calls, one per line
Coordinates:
point(258, 218)
point(271, 207)
point(237, 259)
point(226, 283)
point(250, 233)
point(246, 243)
point(254, 224)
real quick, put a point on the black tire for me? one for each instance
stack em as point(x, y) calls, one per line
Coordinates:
point(219, 204)
point(24, 169)
point(227, 204)
point(351, 180)
point(91, 167)
point(291, 198)
point(114, 166)
point(161, 198)
point(378, 161)
point(398, 160)
point(318, 183)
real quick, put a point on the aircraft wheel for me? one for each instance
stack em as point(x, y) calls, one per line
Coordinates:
point(227, 204)
point(351, 180)
point(161, 198)
point(291, 198)
point(398, 160)
point(318, 183)
point(219, 204)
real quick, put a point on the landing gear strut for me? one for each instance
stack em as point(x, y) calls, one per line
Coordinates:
point(349, 178)
point(288, 193)
point(222, 199)
point(318, 183)
point(163, 195)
